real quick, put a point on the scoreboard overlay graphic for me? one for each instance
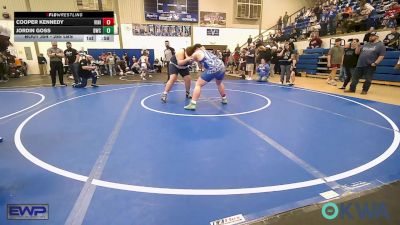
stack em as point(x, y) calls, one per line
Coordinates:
point(64, 26)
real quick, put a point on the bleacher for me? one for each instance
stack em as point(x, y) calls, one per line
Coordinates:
point(310, 62)
point(302, 24)
point(385, 71)
point(375, 18)
point(314, 61)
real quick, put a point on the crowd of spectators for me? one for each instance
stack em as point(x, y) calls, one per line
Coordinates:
point(330, 17)
point(327, 17)
point(11, 66)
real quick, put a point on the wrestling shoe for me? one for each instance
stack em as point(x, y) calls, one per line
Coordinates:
point(224, 100)
point(164, 98)
point(188, 96)
point(191, 106)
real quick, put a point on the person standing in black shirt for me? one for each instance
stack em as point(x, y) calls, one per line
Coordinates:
point(264, 53)
point(350, 61)
point(249, 40)
point(274, 60)
point(366, 37)
point(268, 54)
point(285, 62)
point(42, 64)
point(86, 71)
point(72, 60)
point(285, 20)
point(279, 23)
point(291, 45)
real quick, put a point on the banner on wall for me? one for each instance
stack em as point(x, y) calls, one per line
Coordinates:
point(212, 32)
point(161, 30)
point(212, 19)
point(172, 10)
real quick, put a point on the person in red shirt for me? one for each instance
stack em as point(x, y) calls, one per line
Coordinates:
point(389, 19)
point(315, 42)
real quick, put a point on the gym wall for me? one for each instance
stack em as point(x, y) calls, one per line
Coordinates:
point(227, 36)
point(151, 42)
point(131, 11)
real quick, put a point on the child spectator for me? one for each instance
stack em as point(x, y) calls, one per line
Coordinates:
point(263, 71)
point(335, 60)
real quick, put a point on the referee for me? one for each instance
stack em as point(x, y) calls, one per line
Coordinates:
point(55, 54)
point(168, 53)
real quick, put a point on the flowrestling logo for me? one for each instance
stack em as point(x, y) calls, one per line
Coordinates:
point(356, 210)
point(27, 211)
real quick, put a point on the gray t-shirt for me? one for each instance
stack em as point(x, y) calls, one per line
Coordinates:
point(168, 54)
point(336, 55)
point(370, 52)
point(55, 58)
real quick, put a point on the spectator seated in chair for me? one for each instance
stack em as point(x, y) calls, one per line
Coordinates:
point(121, 67)
point(157, 66)
point(315, 41)
point(136, 68)
point(391, 40)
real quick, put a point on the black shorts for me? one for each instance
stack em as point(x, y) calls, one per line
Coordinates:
point(174, 70)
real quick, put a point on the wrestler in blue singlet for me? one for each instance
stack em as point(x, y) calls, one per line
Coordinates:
point(214, 66)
